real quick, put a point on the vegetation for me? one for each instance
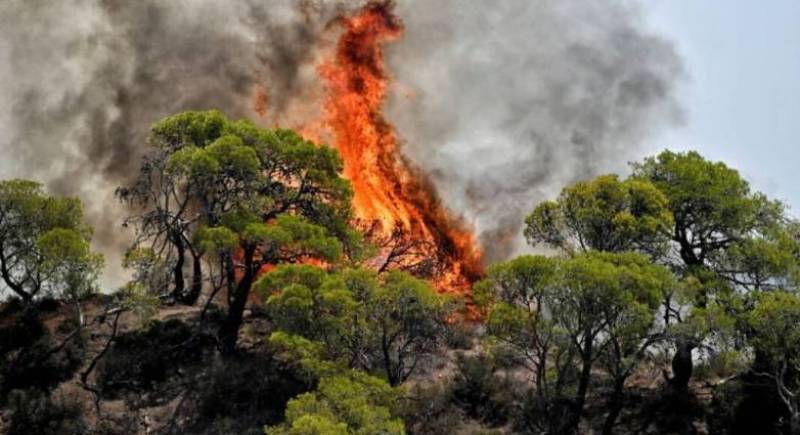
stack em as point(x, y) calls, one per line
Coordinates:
point(44, 244)
point(240, 197)
point(382, 325)
point(668, 304)
point(587, 308)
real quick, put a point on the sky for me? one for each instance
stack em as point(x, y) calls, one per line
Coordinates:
point(742, 93)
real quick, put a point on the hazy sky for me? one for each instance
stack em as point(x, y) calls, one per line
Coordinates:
point(742, 96)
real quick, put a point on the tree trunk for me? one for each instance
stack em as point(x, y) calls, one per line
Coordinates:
point(682, 366)
point(15, 287)
point(387, 363)
point(190, 297)
point(615, 406)
point(583, 383)
point(238, 300)
point(177, 271)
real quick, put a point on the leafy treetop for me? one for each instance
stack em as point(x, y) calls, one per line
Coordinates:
point(44, 243)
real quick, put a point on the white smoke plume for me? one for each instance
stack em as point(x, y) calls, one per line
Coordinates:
point(509, 100)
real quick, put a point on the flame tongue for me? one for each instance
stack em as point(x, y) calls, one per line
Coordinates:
point(386, 189)
point(367, 143)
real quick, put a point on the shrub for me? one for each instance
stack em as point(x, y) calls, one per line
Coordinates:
point(241, 396)
point(429, 410)
point(41, 363)
point(35, 412)
point(141, 360)
point(480, 392)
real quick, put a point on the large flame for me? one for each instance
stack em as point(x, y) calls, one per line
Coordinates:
point(387, 191)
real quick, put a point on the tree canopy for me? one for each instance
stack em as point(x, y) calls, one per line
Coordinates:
point(603, 214)
point(44, 244)
point(555, 312)
point(385, 325)
point(241, 198)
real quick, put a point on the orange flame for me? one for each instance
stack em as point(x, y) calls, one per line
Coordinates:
point(386, 189)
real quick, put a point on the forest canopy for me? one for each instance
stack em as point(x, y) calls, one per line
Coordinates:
point(667, 301)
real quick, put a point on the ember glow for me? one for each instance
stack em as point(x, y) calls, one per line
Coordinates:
point(389, 193)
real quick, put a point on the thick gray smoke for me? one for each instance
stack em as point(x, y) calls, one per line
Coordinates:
point(505, 102)
point(82, 81)
point(510, 99)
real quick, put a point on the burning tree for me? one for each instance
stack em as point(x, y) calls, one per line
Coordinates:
point(405, 219)
point(242, 198)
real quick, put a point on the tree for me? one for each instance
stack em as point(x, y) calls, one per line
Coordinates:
point(44, 244)
point(580, 309)
point(346, 401)
point(631, 331)
point(775, 333)
point(243, 198)
point(384, 324)
point(697, 217)
point(169, 213)
point(603, 214)
point(343, 404)
point(725, 237)
point(516, 296)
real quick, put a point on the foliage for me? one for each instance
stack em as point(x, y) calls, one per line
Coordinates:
point(343, 404)
point(577, 310)
point(147, 359)
point(719, 223)
point(240, 396)
point(776, 334)
point(383, 324)
point(727, 242)
point(346, 401)
point(150, 273)
point(480, 392)
point(604, 214)
point(44, 244)
point(38, 360)
point(242, 198)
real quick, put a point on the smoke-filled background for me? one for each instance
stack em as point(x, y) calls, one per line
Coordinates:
point(499, 103)
point(512, 100)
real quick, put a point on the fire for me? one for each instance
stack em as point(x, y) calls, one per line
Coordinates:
point(387, 191)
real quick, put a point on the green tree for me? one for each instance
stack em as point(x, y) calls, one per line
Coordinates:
point(775, 323)
point(243, 198)
point(729, 240)
point(165, 200)
point(603, 214)
point(346, 404)
point(585, 308)
point(44, 244)
point(346, 401)
point(384, 324)
point(516, 295)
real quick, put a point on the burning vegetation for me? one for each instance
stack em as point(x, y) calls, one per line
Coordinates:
point(251, 308)
point(394, 204)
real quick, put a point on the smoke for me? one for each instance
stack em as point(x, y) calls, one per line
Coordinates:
point(503, 103)
point(82, 81)
point(510, 99)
